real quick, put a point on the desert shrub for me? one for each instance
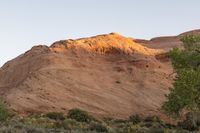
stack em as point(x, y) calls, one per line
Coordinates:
point(55, 115)
point(135, 119)
point(79, 115)
point(192, 121)
point(152, 119)
point(41, 122)
point(3, 111)
point(156, 130)
point(120, 125)
point(147, 124)
point(71, 124)
point(108, 120)
point(98, 127)
point(135, 129)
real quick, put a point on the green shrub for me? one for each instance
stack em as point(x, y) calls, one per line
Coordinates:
point(79, 115)
point(135, 119)
point(3, 111)
point(71, 124)
point(98, 127)
point(55, 116)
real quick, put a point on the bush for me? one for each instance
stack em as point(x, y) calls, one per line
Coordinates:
point(152, 119)
point(55, 116)
point(40, 122)
point(98, 127)
point(70, 124)
point(147, 124)
point(135, 129)
point(135, 119)
point(156, 130)
point(79, 115)
point(3, 111)
point(192, 121)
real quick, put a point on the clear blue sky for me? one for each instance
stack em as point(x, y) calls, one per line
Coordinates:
point(24, 23)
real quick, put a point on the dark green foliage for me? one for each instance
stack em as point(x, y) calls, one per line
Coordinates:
point(55, 116)
point(135, 119)
point(191, 42)
point(79, 115)
point(3, 111)
point(182, 59)
point(185, 94)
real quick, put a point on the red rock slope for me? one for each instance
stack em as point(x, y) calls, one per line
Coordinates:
point(107, 75)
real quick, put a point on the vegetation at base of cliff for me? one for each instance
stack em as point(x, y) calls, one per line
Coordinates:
point(80, 115)
point(79, 121)
point(43, 124)
point(56, 122)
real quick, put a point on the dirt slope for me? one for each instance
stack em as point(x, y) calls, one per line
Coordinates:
point(107, 75)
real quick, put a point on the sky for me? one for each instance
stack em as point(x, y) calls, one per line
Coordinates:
point(25, 23)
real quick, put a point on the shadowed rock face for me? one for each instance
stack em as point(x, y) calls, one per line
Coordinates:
point(106, 75)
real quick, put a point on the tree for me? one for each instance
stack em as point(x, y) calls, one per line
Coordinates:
point(185, 93)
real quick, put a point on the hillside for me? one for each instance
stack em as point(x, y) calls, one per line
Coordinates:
point(107, 75)
point(166, 43)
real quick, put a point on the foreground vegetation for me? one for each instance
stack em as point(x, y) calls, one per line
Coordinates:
point(79, 121)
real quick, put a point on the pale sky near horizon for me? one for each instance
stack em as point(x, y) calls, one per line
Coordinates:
point(24, 23)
